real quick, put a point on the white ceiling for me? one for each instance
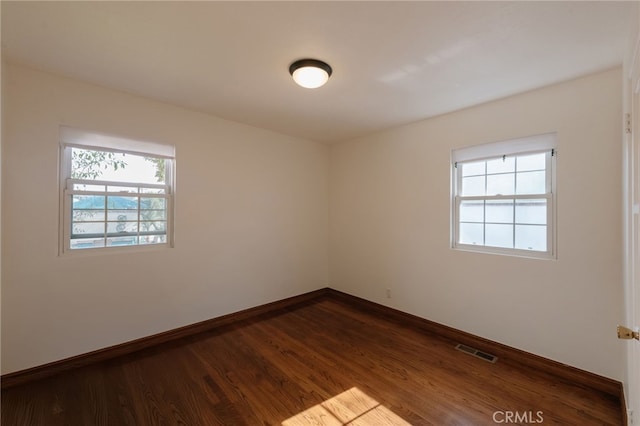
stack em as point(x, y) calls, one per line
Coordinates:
point(393, 62)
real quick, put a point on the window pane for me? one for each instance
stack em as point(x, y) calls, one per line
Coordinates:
point(500, 211)
point(153, 215)
point(79, 228)
point(531, 183)
point(116, 167)
point(153, 203)
point(88, 215)
point(532, 162)
point(531, 237)
point(122, 215)
point(472, 211)
point(157, 226)
point(499, 236)
point(118, 227)
point(471, 233)
point(153, 239)
point(501, 166)
point(122, 203)
point(122, 241)
point(473, 186)
point(500, 184)
point(83, 243)
point(531, 211)
point(88, 202)
point(473, 169)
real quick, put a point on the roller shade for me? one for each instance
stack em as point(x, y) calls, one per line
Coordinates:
point(84, 139)
point(535, 143)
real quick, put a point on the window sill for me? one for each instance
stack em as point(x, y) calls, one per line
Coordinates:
point(528, 254)
point(101, 251)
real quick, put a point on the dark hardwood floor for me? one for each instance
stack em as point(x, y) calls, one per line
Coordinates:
point(323, 363)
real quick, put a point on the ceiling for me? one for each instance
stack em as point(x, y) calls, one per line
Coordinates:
point(393, 62)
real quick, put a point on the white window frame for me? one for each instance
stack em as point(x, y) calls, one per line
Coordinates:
point(545, 143)
point(74, 138)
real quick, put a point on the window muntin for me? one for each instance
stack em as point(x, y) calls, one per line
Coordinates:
point(504, 204)
point(113, 198)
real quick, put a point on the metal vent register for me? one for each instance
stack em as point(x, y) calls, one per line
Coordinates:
point(475, 352)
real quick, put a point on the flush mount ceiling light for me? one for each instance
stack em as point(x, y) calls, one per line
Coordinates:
point(310, 73)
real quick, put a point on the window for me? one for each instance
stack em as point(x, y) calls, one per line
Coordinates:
point(112, 196)
point(504, 197)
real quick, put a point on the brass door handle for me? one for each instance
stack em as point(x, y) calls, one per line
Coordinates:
point(627, 333)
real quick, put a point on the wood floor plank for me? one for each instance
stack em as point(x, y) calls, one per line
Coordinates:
point(322, 363)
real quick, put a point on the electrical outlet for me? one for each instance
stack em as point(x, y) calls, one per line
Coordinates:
point(388, 293)
point(630, 417)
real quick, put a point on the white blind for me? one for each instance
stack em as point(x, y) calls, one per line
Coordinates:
point(542, 142)
point(82, 138)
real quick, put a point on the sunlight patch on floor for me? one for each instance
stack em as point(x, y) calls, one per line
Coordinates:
point(351, 407)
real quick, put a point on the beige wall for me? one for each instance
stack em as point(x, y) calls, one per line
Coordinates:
point(390, 222)
point(250, 228)
point(252, 225)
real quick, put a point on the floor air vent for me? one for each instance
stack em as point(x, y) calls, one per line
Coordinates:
point(478, 354)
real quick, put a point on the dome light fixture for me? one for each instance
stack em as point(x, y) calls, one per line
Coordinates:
point(310, 73)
